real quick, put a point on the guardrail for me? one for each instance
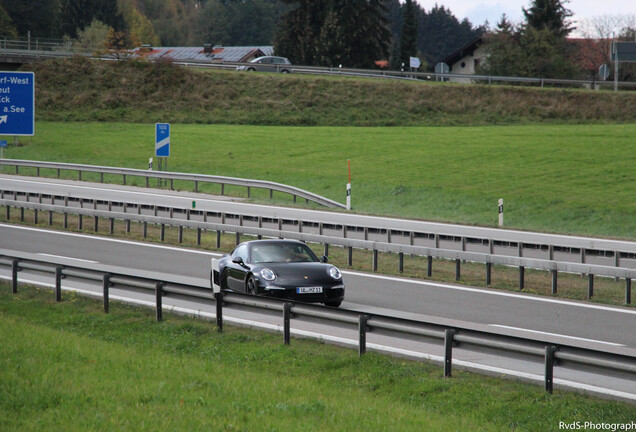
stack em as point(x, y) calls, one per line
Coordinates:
point(489, 241)
point(167, 285)
point(457, 256)
point(171, 177)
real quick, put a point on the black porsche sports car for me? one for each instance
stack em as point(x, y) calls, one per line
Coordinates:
point(281, 268)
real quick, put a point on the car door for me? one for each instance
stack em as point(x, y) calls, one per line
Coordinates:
point(237, 273)
point(264, 64)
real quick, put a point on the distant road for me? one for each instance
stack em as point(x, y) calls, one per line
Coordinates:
point(177, 199)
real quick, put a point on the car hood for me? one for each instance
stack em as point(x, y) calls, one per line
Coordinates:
point(301, 274)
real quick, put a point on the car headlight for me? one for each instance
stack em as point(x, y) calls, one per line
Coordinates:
point(268, 274)
point(335, 273)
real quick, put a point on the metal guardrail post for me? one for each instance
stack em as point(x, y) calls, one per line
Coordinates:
point(488, 273)
point(628, 290)
point(429, 266)
point(218, 298)
point(15, 268)
point(375, 260)
point(350, 256)
point(458, 269)
point(105, 290)
point(590, 286)
point(158, 300)
point(448, 352)
point(58, 283)
point(549, 367)
point(287, 323)
point(554, 281)
point(401, 262)
point(362, 334)
point(522, 272)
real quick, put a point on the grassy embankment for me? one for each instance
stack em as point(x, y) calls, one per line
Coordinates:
point(70, 367)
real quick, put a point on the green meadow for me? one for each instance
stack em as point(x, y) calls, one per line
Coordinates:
point(572, 179)
point(70, 367)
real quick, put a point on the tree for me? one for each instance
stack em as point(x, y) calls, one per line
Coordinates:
point(551, 15)
point(527, 52)
point(440, 33)
point(361, 24)
point(6, 24)
point(75, 15)
point(300, 28)
point(408, 39)
point(95, 36)
point(331, 49)
point(247, 22)
point(139, 27)
point(36, 16)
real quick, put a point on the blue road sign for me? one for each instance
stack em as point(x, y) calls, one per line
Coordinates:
point(162, 139)
point(17, 103)
point(3, 143)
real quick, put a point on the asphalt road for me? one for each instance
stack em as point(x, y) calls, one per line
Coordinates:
point(579, 323)
point(593, 326)
point(109, 192)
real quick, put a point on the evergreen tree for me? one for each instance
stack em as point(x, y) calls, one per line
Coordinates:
point(551, 15)
point(527, 52)
point(408, 39)
point(36, 16)
point(331, 49)
point(75, 15)
point(361, 25)
point(6, 25)
point(300, 28)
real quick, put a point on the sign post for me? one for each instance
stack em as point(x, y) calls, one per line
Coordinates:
point(3, 144)
point(622, 52)
point(17, 103)
point(162, 145)
point(349, 186)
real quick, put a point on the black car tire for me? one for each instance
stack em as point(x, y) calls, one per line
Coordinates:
point(251, 286)
point(333, 303)
point(250, 69)
point(285, 71)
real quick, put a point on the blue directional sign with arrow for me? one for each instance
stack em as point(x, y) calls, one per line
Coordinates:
point(162, 139)
point(17, 103)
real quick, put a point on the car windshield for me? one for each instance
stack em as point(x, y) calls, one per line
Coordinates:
point(282, 252)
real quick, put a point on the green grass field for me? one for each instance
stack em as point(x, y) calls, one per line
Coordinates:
point(70, 367)
point(573, 179)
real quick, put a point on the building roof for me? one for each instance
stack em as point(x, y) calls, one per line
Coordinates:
point(468, 49)
point(204, 54)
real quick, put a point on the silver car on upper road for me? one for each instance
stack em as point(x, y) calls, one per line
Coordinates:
point(268, 64)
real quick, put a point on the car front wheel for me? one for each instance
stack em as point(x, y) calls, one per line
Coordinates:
point(251, 285)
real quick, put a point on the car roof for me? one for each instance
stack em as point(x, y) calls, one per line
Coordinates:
point(271, 241)
point(262, 57)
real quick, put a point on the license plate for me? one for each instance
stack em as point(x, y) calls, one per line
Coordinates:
point(309, 290)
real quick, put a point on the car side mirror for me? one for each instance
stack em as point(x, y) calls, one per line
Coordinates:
point(238, 260)
point(325, 259)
